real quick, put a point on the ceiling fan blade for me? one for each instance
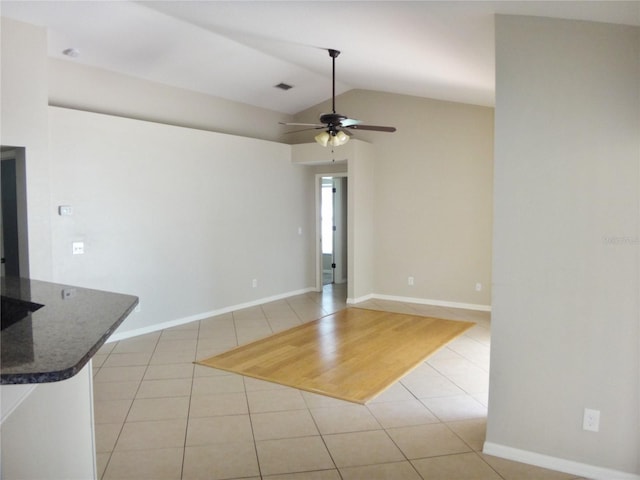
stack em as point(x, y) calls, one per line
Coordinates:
point(306, 129)
point(348, 122)
point(319, 125)
point(376, 128)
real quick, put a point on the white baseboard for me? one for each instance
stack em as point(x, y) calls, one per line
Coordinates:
point(353, 301)
point(426, 301)
point(117, 336)
point(553, 463)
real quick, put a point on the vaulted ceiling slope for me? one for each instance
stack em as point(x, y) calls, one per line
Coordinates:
point(239, 50)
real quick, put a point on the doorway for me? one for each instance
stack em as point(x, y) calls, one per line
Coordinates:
point(13, 240)
point(332, 213)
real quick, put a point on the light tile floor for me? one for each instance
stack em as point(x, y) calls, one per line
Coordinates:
point(159, 416)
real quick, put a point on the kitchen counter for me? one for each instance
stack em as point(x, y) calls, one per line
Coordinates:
point(50, 331)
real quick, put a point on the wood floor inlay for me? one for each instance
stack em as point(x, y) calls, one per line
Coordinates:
point(353, 354)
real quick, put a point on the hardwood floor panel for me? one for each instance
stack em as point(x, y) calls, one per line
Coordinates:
point(353, 354)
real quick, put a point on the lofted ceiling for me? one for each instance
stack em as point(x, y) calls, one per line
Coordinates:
point(239, 50)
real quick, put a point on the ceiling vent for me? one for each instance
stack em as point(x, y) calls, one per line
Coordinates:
point(284, 86)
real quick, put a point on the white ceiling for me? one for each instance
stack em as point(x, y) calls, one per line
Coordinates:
point(239, 49)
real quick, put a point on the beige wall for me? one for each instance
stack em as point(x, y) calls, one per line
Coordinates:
point(565, 323)
point(23, 123)
point(360, 220)
point(432, 195)
point(72, 85)
point(185, 219)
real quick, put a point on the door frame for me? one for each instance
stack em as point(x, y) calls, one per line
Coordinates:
point(318, 207)
point(20, 236)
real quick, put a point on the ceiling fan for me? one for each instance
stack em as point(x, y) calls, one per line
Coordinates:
point(336, 128)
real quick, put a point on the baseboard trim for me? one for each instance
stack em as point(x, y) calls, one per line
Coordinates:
point(354, 301)
point(437, 303)
point(554, 463)
point(117, 336)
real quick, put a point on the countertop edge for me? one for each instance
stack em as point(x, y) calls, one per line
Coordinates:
point(64, 374)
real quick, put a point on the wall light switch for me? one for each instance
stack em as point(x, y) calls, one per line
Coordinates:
point(68, 293)
point(65, 210)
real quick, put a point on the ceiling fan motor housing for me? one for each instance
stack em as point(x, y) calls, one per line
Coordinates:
point(332, 119)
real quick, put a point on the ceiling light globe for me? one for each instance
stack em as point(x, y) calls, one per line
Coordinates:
point(342, 137)
point(338, 138)
point(322, 138)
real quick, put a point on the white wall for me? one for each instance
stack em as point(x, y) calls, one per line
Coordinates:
point(431, 197)
point(185, 219)
point(23, 111)
point(91, 89)
point(565, 324)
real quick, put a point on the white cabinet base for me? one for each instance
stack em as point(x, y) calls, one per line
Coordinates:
point(51, 433)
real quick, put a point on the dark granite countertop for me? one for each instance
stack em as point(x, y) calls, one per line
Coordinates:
point(50, 331)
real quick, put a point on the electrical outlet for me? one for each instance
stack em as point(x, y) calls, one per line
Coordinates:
point(68, 293)
point(254, 282)
point(410, 281)
point(591, 420)
point(478, 287)
point(77, 248)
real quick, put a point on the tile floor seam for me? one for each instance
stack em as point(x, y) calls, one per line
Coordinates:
point(324, 442)
point(300, 319)
point(406, 458)
point(313, 419)
point(479, 455)
point(470, 360)
point(186, 431)
point(461, 387)
point(95, 427)
point(459, 437)
point(420, 400)
point(132, 401)
point(253, 432)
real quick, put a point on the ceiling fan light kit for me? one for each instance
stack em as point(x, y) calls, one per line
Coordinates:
point(335, 126)
point(335, 139)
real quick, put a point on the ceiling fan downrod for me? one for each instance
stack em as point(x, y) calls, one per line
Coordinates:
point(333, 54)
